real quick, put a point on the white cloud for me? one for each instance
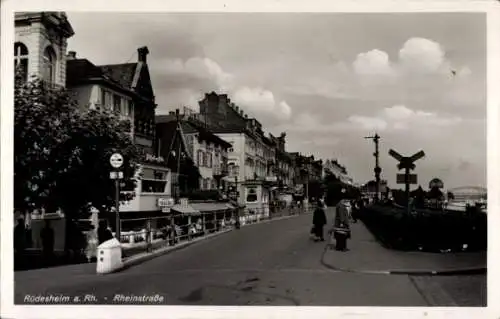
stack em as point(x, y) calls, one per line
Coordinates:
point(374, 62)
point(395, 118)
point(418, 56)
point(400, 117)
point(253, 99)
point(422, 56)
point(201, 68)
point(368, 123)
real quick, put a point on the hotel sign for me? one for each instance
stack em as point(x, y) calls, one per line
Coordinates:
point(165, 204)
point(156, 159)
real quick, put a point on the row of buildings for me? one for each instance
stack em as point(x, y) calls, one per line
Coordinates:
point(218, 150)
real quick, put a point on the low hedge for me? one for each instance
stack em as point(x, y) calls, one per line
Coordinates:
point(426, 230)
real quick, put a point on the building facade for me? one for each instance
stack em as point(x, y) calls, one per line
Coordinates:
point(338, 170)
point(126, 93)
point(40, 45)
point(208, 151)
point(252, 155)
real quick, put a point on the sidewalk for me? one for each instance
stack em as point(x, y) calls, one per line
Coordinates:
point(367, 255)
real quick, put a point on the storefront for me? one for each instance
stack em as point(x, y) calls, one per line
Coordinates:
point(152, 198)
point(256, 198)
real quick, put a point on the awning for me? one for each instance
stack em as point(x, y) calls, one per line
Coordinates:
point(186, 209)
point(210, 207)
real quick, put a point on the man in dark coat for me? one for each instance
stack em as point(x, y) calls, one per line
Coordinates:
point(341, 226)
point(319, 221)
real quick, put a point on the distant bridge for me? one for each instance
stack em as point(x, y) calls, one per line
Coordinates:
point(468, 193)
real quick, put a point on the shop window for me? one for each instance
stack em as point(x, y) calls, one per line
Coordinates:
point(251, 195)
point(154, 181)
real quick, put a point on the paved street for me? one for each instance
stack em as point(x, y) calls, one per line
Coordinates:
point(272, 263)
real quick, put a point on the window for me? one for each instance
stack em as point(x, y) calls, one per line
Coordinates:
point(105, 98)
point(129, 108)
point(251, 195)
point(153, 181)
point(209, 160)
point(200, 158)
point(49, 65)
point(117, 101)
point(21, 59)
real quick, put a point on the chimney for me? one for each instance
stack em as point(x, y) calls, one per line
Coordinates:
point(142, 54)
point(241, 112)
point(236, 108)
point(71, 55)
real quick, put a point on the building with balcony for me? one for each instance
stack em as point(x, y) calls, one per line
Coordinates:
point(338, 170)
point(40, 45)
point(283, 162)
point(252, 155)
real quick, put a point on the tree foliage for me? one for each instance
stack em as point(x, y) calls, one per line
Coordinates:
point(61, 152)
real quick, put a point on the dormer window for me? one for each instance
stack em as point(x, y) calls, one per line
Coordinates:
point(49, 65)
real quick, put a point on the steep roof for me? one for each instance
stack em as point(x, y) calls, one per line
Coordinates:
point(191, 127)
point(121, 73)
point(81, 71)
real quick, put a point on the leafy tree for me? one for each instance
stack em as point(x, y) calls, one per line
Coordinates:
point(435, 193)
point(62, 152)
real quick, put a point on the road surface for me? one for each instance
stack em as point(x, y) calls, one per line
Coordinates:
point(272, 263)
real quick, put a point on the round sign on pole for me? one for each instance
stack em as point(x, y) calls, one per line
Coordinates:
point(116, 160)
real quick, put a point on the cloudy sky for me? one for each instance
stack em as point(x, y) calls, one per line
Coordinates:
point(328, 80)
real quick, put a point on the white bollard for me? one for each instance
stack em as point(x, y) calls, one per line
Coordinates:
point(109, 256)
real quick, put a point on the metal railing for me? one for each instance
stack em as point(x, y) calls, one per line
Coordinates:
point(149, 234)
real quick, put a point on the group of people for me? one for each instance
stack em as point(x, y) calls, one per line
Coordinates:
point(345, 212)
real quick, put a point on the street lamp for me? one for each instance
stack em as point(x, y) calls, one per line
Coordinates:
point(377, 170)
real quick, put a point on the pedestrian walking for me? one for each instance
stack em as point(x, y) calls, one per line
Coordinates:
point(341, 229)
point(319, 221)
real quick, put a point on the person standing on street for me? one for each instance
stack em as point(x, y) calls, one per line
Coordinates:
point(319, 221)
point(341, 226)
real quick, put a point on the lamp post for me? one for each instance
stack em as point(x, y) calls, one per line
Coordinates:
point(377, 170)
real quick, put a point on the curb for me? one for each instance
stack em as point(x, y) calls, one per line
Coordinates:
point(275, 219)
point(139, 259)
point(443, 272)
point(408, 272)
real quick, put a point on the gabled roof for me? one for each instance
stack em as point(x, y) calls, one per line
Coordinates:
point(191, 127)
point(81, 71)
point(169, 133)
point(122, 73)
